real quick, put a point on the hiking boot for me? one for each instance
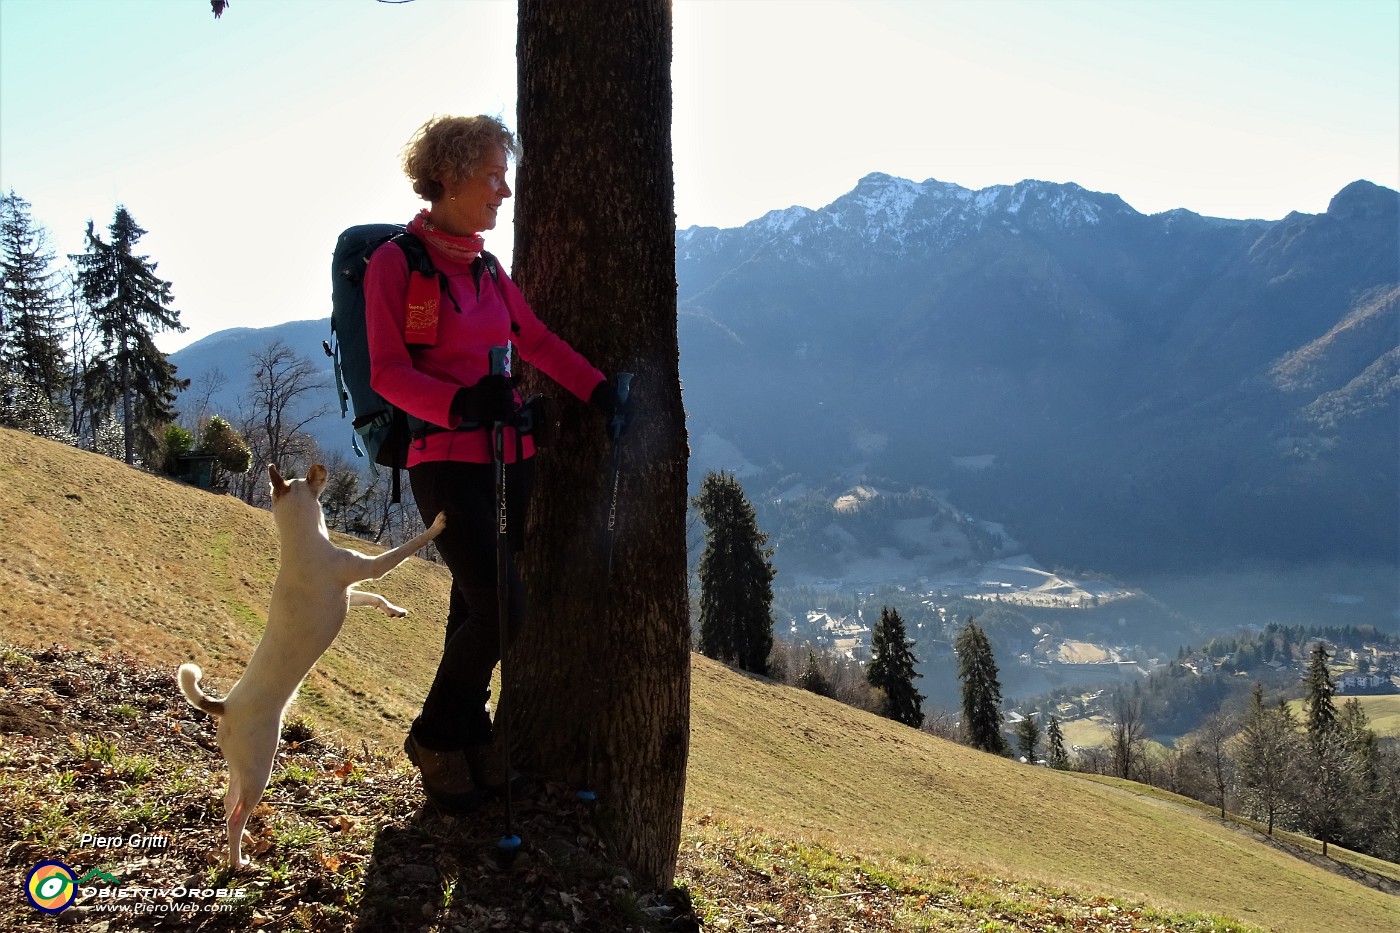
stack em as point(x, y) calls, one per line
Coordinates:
point(447, 780)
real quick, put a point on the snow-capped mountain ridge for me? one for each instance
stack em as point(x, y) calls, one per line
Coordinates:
point(901, 216)
point(1118, 365)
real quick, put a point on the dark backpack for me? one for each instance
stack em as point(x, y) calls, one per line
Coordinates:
point(382, 431)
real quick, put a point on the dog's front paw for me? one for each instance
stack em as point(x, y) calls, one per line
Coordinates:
point(439, 523)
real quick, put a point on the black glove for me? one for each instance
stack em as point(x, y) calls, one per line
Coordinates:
point(618, 411)
point(492, 399)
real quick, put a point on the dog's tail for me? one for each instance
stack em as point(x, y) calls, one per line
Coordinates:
point(189, 685)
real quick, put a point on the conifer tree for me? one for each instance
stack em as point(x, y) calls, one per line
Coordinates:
point(736, 578)
point(812, 678)
point(130, 304)
point(891, 670)
point(1059, 758)
point(1028, 738)
point(981, 690)
point(1360, 739)
point(1322, 711)
point(31, 308)
point(1385, 815)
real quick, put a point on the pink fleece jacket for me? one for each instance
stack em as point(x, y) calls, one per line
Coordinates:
point(423, 380)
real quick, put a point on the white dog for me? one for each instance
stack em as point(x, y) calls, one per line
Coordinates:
point(309, 602)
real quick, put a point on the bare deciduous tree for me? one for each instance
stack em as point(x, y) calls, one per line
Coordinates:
point(283, 388)
point(198, 399)
point(1128, 733)
point(1269, 744)
point(942, 723)
point(1210, 750)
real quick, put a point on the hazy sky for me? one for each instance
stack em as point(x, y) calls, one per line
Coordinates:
point(245, 145)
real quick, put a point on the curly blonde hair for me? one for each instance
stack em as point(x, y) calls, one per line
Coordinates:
point(449, 148)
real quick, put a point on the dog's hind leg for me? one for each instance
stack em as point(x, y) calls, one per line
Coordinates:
point(240, 801)
point(249, 751)
point(375, 601)
point(236, 813)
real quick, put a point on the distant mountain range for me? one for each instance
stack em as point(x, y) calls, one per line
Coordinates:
point(1119, 391)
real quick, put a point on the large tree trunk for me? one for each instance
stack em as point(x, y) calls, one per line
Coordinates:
point(598, 666)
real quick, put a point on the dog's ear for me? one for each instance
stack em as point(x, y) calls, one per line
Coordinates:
point(279, 485)
point(316, 478)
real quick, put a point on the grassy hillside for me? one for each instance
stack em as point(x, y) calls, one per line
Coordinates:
point(1383, 711)
point(791, 799)
point(792, 763)
point(98, 555)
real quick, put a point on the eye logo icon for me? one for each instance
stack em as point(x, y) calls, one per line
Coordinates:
point(50, 887)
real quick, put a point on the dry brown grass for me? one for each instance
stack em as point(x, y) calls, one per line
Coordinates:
point(800, 766)
point(97, 555)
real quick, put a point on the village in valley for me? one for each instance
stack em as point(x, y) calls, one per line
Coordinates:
point(910, 549)
point(1064, 641)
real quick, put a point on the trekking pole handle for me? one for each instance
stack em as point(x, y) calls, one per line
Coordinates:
point(497, 356)
point(624, 389)
point(497, 360)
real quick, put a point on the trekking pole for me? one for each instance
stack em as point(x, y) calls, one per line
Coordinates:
point(509, 844)
point(624, 389)
point(615, 426)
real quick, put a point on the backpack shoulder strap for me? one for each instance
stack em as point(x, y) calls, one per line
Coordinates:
point(492, 266)
point(416, 252)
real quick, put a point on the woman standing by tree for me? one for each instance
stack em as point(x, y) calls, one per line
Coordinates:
point(433, 363)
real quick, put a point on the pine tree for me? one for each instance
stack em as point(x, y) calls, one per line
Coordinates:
point(1362, 741)
point(981, 691)
point(1361, 744)
point(31, 308)
point(891, 670)
point(1322, 711)
point(1059, 758)
point(736, 578)
point(1384, 818)
point(130, 304)
point(812, 678)
point(1028, 738)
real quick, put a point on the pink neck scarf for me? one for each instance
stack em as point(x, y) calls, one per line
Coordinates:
point(463, 249)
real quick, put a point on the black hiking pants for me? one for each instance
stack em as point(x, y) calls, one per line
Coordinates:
point(454, 714)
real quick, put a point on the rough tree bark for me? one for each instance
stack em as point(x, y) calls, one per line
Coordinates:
point(595, 256)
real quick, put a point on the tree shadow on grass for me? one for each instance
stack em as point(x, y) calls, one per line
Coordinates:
point(447, 871)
